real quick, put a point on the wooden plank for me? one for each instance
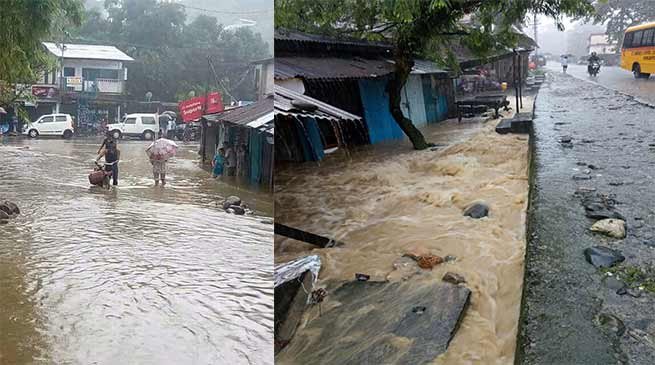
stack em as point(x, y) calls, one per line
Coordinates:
point(303, 236)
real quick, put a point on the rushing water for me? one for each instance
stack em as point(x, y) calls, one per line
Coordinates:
point(138, 274)
point(386, 200)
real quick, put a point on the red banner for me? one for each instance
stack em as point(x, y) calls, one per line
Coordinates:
point(193, 109)
point(44, 92)
point(215, 103)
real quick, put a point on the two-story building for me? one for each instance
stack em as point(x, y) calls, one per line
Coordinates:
point(88, 83)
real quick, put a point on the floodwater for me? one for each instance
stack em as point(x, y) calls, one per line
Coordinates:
point(615, 78)
point(386, 200)
point(138, 274)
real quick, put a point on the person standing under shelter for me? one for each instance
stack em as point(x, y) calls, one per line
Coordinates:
point(230, 161)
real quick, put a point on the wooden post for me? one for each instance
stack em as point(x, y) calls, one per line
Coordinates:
point(516, 88)
point(520, 69)
point(307, 237)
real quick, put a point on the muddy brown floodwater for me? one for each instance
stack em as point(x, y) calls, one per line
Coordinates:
point(133, 275)
point(386, 200)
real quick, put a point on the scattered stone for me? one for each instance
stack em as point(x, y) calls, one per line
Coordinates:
point(585, 190)
point(266, 221)
point(450, 258)
point(362, 277)
point(477, 210)
point(610, 227)
point(588, 141)
point(581, 177)
point(453, 278)
point(13, 207)
point(600, 256)
point(614, 283)
point(635, 293)
point(612, 323)
point(622, 291)
point(231, 201)
point(235, 209)
point(429, 261)
point(616, 183)
point(581, 163)
point(593, 167)
point(565, 139)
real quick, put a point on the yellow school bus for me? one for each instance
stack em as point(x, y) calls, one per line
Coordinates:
point(638, 52)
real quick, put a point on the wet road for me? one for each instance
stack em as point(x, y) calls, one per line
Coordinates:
point(567, 301)
point(137, 274)
point(614, 78)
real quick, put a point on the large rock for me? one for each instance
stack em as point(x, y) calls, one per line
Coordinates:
point(235, 209)
point(610, 227)
point(477, 210)
point(230, 201)
point(600, 256)
point(4, 215)
point(365, 322)
point(13, 207)
point(4, 208)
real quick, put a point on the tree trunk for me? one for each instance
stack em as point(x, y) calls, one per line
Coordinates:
point(404, 64)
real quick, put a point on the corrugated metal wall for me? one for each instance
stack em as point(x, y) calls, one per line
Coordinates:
point(413, 102)
point(375, 102)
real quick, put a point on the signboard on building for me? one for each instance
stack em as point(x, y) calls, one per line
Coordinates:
point(193, 109)
point(74, 81)
point(44, 92)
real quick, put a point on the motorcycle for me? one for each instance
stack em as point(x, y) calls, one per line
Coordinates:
point(593, 69)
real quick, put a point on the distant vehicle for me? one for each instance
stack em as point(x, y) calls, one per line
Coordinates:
point(139, 125)
point(594, 69)
point(539, 60)
point(187, 132)
point(51, 125)
point(637, 51)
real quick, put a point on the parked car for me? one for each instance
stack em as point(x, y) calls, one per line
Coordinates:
point(139, 125)
point(51, 125)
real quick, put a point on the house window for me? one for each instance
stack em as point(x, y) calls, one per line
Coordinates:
point(69, 71)
point(45, 77)
point(91, 74)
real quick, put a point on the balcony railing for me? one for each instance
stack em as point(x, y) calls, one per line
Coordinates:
point(108, 86)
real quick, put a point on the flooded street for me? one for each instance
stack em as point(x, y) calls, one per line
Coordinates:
point(139, 274)
point(575, 313)
point(386, 200)
point(615, 78)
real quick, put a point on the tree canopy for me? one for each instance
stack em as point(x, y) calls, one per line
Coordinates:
point(618, 15)
point(23, 25)
point(421, 27)
point(171, 54)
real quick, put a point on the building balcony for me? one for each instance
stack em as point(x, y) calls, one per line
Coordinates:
point(104, 86)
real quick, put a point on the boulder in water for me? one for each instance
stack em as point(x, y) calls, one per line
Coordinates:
point(4, 215)
point(610, 227)
point(4, 208)
point(477, 210)
point(231, 201)
point(453, 278)
point(600, 256)
point(13, 207)
point(235, 209)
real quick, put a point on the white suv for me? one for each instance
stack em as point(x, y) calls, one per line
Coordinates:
point(135, 125)
point(51, 125)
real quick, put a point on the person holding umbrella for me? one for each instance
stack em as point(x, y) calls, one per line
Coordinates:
point(159, 152)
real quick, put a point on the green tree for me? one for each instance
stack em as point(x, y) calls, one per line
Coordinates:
point(414, 27)
point(23, 26)
point(618, 15)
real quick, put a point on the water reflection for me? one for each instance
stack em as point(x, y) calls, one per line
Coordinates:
point(136, 274)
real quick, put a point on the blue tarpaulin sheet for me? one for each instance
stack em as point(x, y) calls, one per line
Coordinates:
point(380, 122)
point(312, 144)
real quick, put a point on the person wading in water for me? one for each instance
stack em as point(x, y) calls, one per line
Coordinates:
point(112, 155)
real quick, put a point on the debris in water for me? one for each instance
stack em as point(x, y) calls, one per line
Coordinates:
point(610, 227)
point(453, 278)
point(477, 210)
point(425, 261)
point(362, 277)
point(581, 177)
point(565, 139)
point(601, 256)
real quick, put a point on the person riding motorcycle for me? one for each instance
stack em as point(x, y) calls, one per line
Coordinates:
point(593, 60)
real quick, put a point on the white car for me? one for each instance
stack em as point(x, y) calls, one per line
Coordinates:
point(139, 125)
point(51, 125)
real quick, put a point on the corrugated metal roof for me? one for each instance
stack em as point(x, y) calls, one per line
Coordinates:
point(343, 68)
point(88, 52)
point(284, 97)
point(243, 115)
point(282, 34)
point(264, 123)
point(330, 67)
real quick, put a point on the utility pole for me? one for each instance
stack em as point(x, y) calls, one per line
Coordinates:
point(535, 25)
